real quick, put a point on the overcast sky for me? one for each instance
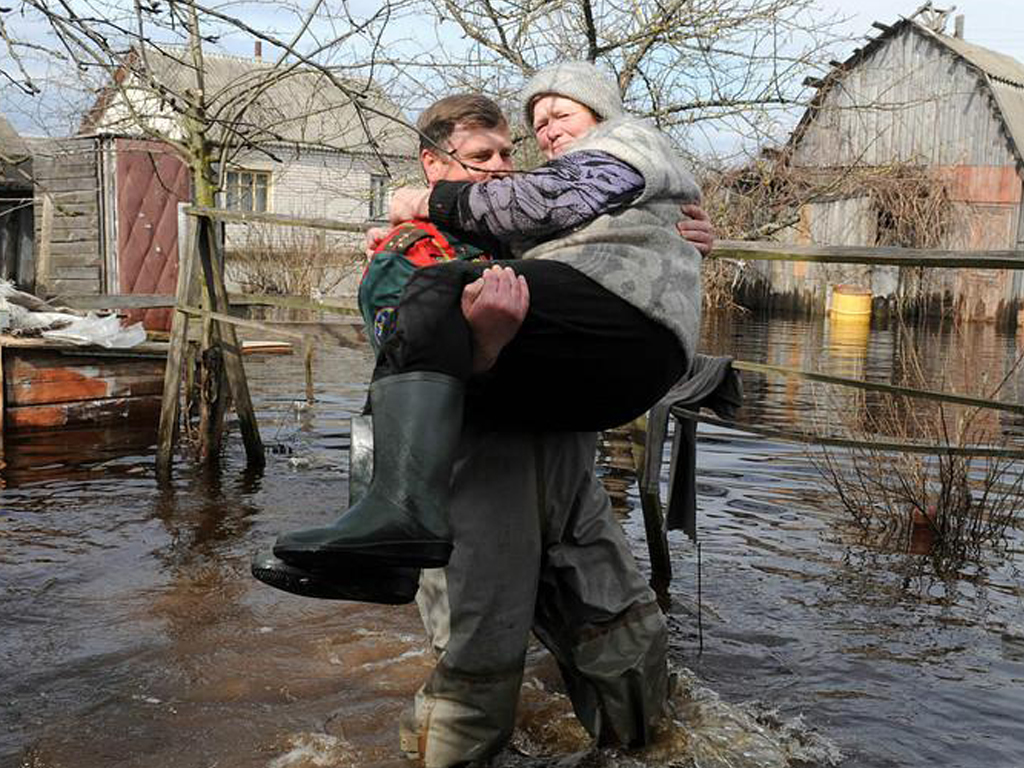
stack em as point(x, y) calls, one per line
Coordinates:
point(995, 24)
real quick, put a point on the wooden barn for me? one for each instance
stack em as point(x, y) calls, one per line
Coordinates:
point(930, 116)
point(107, 217)
point(16, 258)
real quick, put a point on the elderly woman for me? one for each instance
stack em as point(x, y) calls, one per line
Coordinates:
point(612, 320)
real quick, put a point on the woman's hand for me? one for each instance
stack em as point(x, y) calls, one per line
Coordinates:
point(696, 227)
point(495, 306)
point(409, 203)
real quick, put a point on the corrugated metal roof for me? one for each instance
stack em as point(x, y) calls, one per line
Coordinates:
point(1003, 74)
point(1005, 77)
point(300, 106)
point(992, 63)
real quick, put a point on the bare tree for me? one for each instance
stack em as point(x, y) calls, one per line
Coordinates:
point(143, 67)
point(699, 68)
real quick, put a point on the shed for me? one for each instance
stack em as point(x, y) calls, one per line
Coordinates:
point(916, 97)
point(16, 257)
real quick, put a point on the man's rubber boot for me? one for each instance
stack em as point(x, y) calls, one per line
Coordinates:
point(403, 519)
point(387, 586)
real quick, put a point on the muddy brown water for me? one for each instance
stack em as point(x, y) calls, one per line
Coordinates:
point(132, 635)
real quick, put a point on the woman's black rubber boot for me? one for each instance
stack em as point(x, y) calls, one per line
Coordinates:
point(403, 518)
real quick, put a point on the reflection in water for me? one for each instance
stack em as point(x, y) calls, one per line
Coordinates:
point(132, 634)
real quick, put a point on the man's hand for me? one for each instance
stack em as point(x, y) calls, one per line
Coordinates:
point(696, 227)
point(373, 238)
point(495, 306)
point(409, 203)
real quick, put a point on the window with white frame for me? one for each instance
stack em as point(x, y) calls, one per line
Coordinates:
point(247, 191)
point(378, 197)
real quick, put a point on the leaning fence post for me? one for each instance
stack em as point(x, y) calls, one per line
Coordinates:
point(308, 349)
point(213, 269)
point(212, 381)
point(170, 402)
point(654, 517)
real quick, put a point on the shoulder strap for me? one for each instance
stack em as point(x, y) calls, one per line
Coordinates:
point(408, 233)
point(403, 237)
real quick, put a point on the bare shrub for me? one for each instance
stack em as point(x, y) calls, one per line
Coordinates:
point(949, 506)
point(910, 203)
point(291, 261)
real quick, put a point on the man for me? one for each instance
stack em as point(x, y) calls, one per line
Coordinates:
point(536, 545)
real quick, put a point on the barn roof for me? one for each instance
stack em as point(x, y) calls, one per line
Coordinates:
point(300, 106)
point(1003, 75)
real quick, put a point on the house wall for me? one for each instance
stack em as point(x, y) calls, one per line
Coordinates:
point(66, 212)
point(320, 184)
point(314, 184)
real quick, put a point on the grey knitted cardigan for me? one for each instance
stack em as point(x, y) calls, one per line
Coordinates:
point(636, 252)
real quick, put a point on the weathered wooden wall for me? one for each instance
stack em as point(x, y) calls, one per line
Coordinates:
point(67, 217)
point(908, 99)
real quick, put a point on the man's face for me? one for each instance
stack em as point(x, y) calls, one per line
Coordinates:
point(477, 154)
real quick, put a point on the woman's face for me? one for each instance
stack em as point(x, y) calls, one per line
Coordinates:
point(558, 122)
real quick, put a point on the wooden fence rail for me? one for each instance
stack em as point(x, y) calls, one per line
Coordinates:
point(878, 256)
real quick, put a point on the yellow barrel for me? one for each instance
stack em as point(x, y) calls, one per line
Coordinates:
point(851, 301)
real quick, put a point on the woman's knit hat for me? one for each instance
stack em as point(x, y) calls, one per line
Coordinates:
point(578, 80)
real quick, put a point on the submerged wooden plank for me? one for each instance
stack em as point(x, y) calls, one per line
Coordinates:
point(120, 410)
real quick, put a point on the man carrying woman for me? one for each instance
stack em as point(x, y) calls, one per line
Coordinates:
point(614, 308)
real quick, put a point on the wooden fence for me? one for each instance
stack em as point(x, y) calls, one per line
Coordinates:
point(201, 295)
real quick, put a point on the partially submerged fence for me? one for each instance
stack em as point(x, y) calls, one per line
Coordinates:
point(882, 256)
point(205, 249)
point(201, 295)
point(661, 566)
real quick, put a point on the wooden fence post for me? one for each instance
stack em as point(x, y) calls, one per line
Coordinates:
point(3, 409)
point(44, 260)
point(170, 404)
point(308, 351)
point(213, 269)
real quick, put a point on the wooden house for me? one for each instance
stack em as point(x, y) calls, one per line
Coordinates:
point(914, 97)
point(16, 258)
point(301, 149)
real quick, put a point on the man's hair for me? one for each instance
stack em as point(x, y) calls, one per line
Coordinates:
point(467, 110)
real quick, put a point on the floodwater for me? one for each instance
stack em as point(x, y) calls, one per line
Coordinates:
point(132, 635)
